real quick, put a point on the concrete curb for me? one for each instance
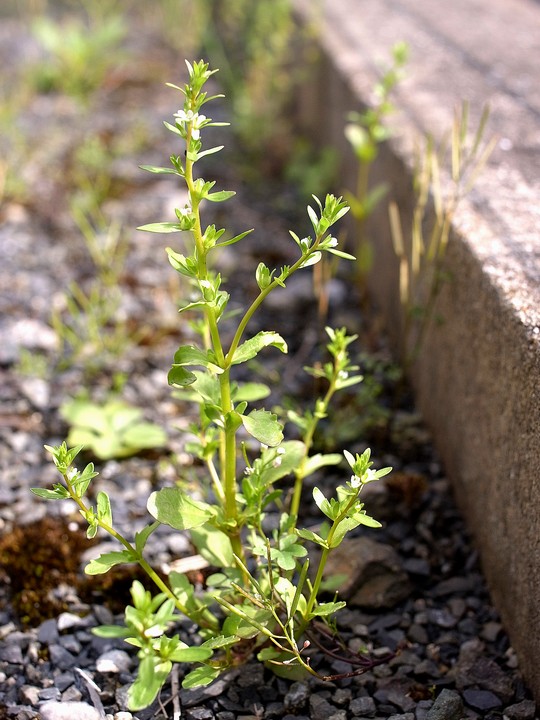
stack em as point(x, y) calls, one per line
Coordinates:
point(477, 378)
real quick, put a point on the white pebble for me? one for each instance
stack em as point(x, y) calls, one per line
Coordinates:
point(113, 661)
point(53, 710)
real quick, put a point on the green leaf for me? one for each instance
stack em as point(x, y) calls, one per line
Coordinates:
point(105, 562)
point(111, 631)
point(234, 239)
point(309, 535)
point(110, 430)
point(290, 460)
point(144, 435)
point(250, 348)
point(159, 170)
point(220, 641)
point(214, 546)
point(141, 537)
point(220, 196)
point(329, 608)
point(264, 427)
point(210, 151)
point(342, 383)
point(173, 507)
point(60, 493)
point(251, 392)
point(269, 653)
point(178, 376)
point(168, 125)
point(150, 679)
point(318, 461)
point(200, 677)
point(322, 503)
point(341, 254)
point(191, 654)
point(81, 483)
point(104, 511)
point(191, 355)
point(161, 227)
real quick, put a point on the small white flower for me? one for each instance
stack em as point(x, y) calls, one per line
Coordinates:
point(355, 481)
point(183, 116)
point(370, 476)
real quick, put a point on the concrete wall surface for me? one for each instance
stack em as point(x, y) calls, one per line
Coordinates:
point(477, 376)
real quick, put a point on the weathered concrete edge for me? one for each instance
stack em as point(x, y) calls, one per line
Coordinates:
point(476, 377)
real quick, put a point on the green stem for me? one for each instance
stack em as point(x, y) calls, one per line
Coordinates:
point(262, 295)
point(308, 442)
point(322, 563)
point(207, 619)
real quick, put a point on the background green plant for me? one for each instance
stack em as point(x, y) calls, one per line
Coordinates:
point(261, 599)
point(443, 176)
point(88, 321)
point(365, 132)
point(80, 54)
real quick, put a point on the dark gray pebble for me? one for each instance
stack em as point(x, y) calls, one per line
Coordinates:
point(50, 693)
point(482, 700)
point(197, 696)
point(363, 707)
point(61, 658)
point(11, 654)
point(48, 632)
point(297, 696)
point(320, 709)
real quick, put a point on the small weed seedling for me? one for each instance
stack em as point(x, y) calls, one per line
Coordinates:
point(79, 56)
point(111, 429)
point(365, 132)
point(261, 600)
point(440, 184)
point(87, 322)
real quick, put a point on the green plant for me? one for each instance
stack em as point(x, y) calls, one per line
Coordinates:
point(261, 599)
point(80, 55)
point(365, 132)
point(87, 324)
point(255, 45)
point(112, 429)
point(443, 176)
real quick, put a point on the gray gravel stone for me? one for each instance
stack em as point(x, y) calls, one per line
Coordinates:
point(50, 693)
point(199, 714)
point(72, 694)
point(48, 632)
point(524, 710)
point(363, 707)
point(11, 654)
point(61, 657)
point(297, 696)
point(320, 709)
point(447, 706)
point(64, 680)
